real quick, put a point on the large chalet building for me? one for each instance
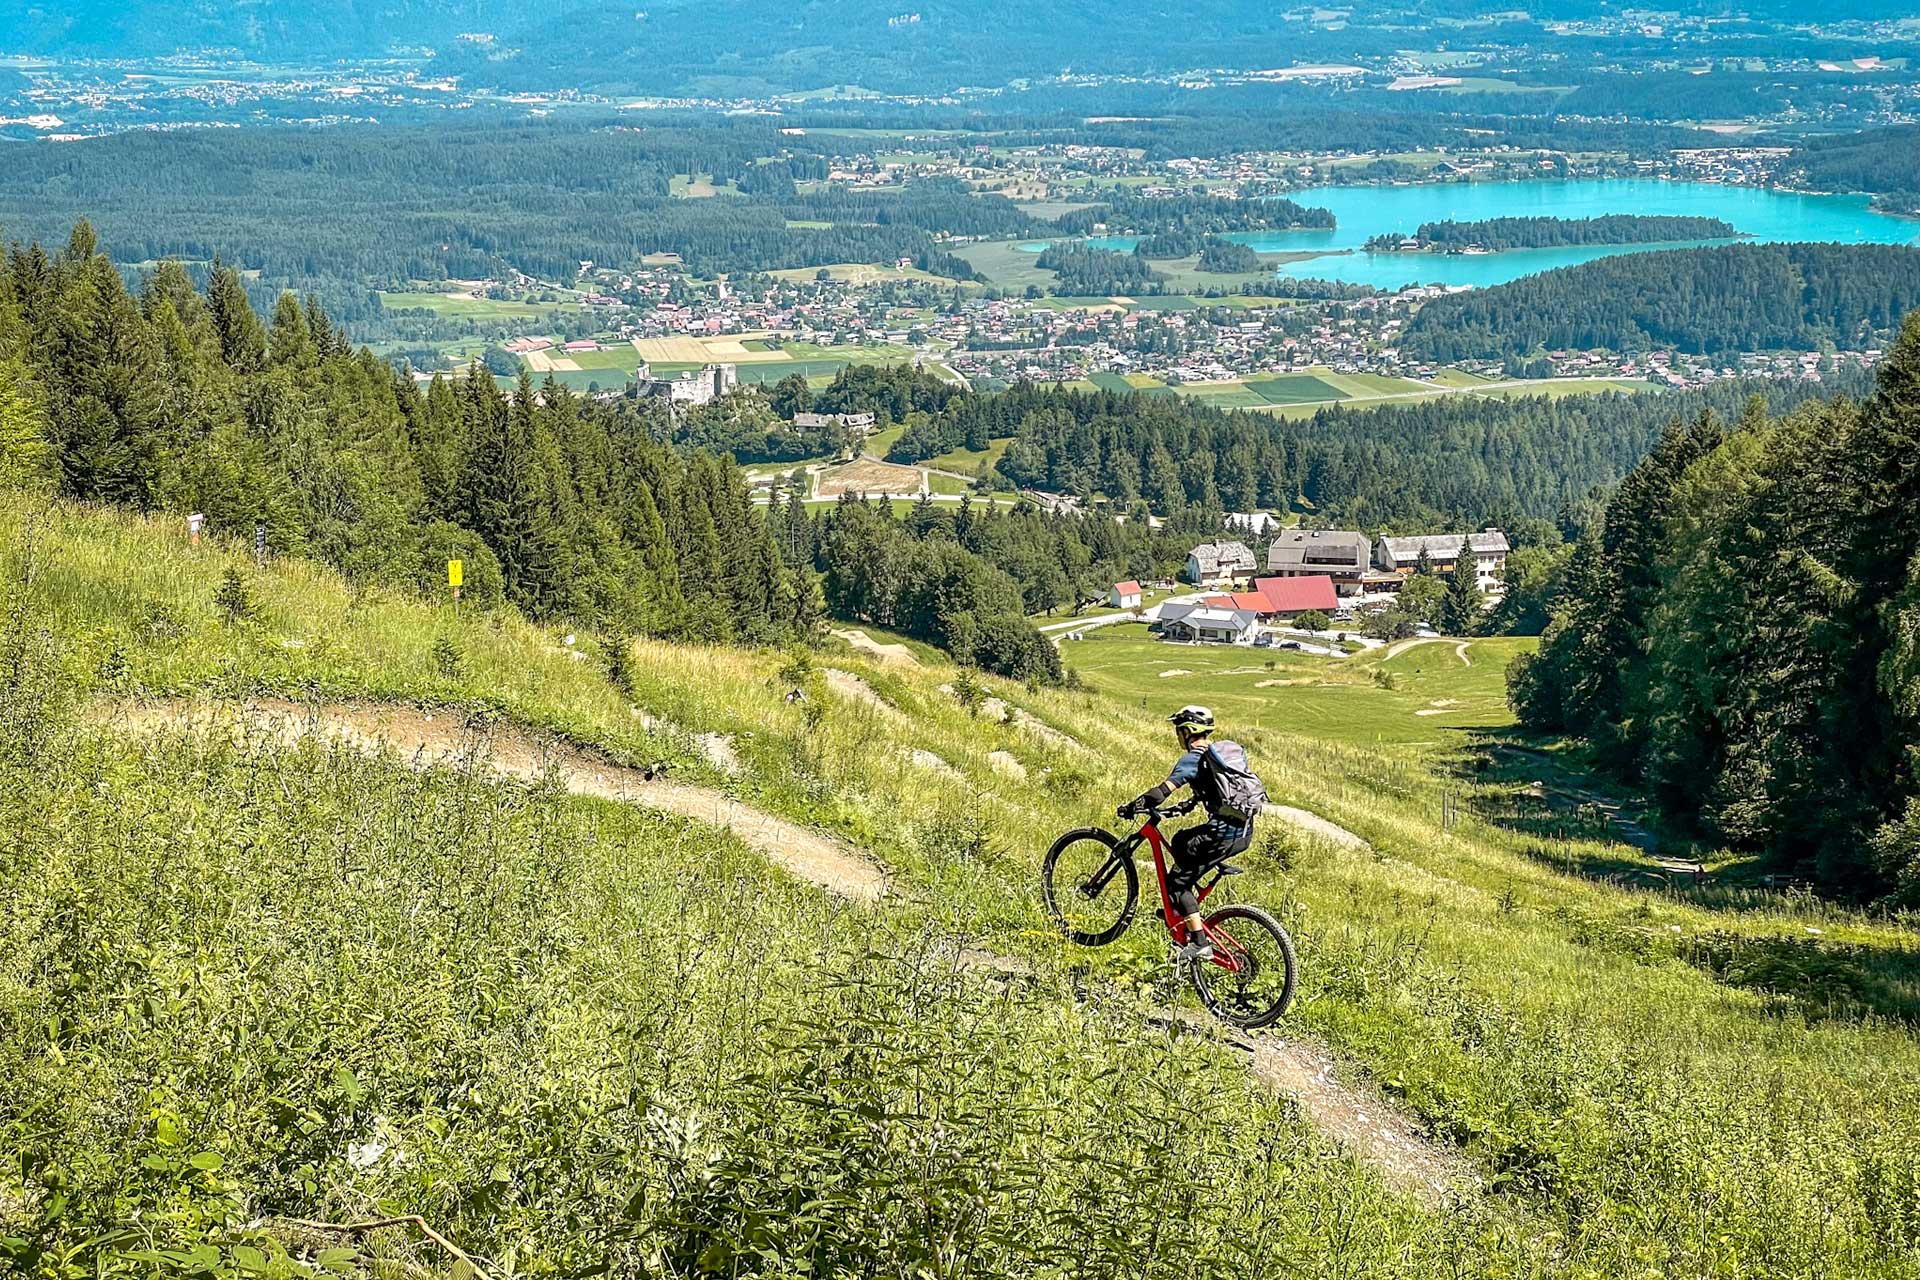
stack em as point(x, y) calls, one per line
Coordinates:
point(1344, 555)
point(1485, 552)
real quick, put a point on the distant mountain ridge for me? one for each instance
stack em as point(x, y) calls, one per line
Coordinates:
point(270, 29)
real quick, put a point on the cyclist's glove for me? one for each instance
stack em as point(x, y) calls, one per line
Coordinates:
point(1128, 809)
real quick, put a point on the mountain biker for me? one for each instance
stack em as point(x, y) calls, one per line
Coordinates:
point(1223, 782)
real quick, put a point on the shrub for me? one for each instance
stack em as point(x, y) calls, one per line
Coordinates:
point(233, 602)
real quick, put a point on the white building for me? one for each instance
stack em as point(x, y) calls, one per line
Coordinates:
point(709, 384)
point(1486, 551)
point(1201, 624)
point(1217, 562)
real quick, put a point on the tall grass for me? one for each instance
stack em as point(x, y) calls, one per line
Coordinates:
point(1650, 1081)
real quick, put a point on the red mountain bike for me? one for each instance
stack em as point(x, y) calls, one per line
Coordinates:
point(1090, 886)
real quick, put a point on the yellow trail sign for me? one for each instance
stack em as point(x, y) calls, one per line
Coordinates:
point(455, 571)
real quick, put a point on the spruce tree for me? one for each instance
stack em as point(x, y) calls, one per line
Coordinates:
point(243, 344)
point(514, 513)
point(1460, 610)
point(25, 460)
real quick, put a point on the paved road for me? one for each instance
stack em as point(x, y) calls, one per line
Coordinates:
point(1149, 614)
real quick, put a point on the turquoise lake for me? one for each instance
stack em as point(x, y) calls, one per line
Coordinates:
point(1761, 215)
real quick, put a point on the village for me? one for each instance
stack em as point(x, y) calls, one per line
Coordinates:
point(625, 323)
point(1318, 590)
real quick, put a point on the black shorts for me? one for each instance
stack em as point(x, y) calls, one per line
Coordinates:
point(1196, 850)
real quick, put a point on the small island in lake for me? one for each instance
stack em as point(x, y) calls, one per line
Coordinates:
point(1493, 235)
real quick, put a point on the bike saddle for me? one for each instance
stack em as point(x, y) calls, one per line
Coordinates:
point(1228, 869)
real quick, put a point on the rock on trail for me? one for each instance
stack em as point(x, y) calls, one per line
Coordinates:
point(426, 739)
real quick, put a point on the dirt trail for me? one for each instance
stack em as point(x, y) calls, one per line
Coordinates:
point(427, 738)
point(1395, 650)
point(1629, 821)
point(1353, 1112)
point(897, 653)
point(1460, 652)
point(1359, 1117)
point(854, 689)
point(1308, 821)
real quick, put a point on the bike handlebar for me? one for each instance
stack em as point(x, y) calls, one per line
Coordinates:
point(1155, 813)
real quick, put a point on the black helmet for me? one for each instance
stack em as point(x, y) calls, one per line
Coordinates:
point(1192, 719)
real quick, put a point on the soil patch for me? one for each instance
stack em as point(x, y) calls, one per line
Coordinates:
point(1314, 824)
point(426, 739)
point(866, 644)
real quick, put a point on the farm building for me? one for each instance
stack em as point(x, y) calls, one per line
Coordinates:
point(1488, 550)
point(1124, 595)
point(1212, 563)
point(1204, 624)
point(1281, 599)
point(1341, 554)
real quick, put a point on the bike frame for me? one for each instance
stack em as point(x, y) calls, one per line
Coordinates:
point(1226, 956)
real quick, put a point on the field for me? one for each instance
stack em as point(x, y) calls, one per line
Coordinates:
point(698, 186)
point(586, 1020)
point(1008, 266)
point(868, 477)
point(1005, 264)
point(464, 307)
point(757, 358)
point(861, 273)
point(1435, 685)
point(968, 461)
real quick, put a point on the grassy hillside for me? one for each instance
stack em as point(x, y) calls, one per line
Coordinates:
point(245, 981)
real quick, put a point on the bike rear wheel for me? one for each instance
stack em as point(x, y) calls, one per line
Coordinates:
point(1089, 889)
point(1250, 979)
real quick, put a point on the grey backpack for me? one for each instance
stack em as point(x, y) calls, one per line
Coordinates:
point(1233, 792)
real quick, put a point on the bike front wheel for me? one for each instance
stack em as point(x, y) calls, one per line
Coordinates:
point(1089, 887)
point(1249, 981)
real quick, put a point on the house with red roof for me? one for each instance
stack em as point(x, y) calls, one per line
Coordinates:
point(1124, 595)
point(1282, 599)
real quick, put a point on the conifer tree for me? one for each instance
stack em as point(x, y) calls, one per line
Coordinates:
point(290, 342)
point(243, 343)
point(25, 460)
point(514, 513)
point(1460, 609)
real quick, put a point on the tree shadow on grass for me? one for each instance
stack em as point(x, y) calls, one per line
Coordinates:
point(1823, 979)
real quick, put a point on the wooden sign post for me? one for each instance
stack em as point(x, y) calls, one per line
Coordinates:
point(194, 523)
point(456, 572)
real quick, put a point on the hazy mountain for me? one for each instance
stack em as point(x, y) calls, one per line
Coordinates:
point(271, 29)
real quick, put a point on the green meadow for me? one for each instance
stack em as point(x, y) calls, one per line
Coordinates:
point(249, 978)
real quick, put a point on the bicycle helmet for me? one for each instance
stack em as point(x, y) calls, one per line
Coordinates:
point(1190, 720)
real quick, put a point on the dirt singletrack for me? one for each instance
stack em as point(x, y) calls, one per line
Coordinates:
point(1351, 1112)
point(447, 737)
point(1338, 1102)
point(1313, 824)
